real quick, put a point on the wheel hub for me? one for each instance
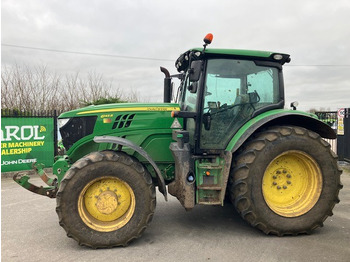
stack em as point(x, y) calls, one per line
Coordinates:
point(282, 178)
point(106, 204)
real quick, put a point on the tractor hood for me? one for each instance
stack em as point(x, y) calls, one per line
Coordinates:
point(129, 120)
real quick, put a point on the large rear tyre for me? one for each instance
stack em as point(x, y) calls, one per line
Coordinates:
point(285, 181)
point(106, 199)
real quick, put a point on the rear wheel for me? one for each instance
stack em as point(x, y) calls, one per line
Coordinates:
point(285, 181)
point(106, 199)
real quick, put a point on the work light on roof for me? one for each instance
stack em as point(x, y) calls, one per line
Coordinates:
point(277, 56)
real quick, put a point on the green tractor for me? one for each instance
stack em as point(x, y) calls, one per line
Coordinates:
point(226, 137)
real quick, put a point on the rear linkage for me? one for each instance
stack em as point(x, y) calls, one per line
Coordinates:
point(23, 180)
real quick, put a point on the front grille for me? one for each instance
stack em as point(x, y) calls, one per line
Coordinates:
point(77, 128)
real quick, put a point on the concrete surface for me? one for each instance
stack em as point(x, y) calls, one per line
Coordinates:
point(30, 232)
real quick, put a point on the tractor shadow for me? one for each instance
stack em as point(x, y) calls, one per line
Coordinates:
point(172, 220)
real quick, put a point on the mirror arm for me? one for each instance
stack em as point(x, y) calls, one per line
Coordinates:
point(184, 114)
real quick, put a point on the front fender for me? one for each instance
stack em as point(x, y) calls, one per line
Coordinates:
point(280, 118)
point(128, 143)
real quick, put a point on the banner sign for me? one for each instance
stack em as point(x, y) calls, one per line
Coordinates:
point(341, 114)
point(25, 141)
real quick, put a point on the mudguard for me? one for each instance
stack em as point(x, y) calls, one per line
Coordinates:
point(278, 118)
point(124, 142)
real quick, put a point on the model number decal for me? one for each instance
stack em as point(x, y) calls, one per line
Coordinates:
point(104, 116)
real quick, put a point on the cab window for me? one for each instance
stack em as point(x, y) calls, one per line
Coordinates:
point(234, 90)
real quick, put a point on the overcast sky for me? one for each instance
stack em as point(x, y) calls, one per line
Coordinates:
point(316, 33)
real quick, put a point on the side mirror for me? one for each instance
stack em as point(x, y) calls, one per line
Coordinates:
point(195, 70)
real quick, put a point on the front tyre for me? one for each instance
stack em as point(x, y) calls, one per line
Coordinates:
point(285, 181)
point(106, 199)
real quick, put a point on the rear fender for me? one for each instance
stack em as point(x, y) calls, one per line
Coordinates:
point(124, 142)
point(293, 118)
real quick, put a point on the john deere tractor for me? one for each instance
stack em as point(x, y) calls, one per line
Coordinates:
point(226, 136)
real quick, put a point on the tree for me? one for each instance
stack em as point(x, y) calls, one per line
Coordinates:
point(105, 100)
point(26, 88)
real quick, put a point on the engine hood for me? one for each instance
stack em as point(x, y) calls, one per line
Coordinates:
point(136, 122)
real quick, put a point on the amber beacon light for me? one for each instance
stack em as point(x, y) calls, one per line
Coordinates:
point(208, 39)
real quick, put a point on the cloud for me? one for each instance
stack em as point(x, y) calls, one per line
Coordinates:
point(314, 33)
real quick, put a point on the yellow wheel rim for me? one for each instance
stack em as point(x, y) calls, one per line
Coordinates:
point(292, 184)
point(106, 204)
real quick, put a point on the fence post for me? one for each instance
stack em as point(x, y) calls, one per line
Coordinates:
point(55, 133)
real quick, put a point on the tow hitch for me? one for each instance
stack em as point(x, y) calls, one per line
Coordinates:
point(23, 180)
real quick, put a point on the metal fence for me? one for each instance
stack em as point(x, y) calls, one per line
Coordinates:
point(331, 119)
point(28, 113)
point(328, 117)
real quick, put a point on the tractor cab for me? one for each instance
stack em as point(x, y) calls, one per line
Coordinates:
point(220, 91)
point(224, 88)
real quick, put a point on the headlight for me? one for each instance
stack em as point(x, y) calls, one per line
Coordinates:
point(62, 122)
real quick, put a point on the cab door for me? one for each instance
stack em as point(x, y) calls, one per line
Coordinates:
point(233, 90)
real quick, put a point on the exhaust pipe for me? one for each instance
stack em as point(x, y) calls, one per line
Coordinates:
point(167, 85)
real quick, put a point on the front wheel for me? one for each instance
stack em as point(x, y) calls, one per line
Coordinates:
point(285, 181)
point(106, 199)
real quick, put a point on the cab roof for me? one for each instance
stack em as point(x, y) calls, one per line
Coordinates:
point(197, 54)
point(240, 52)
